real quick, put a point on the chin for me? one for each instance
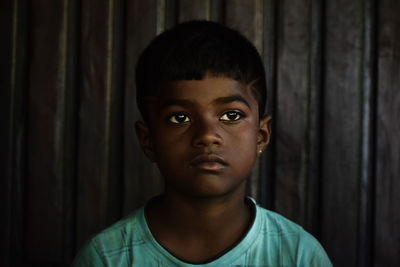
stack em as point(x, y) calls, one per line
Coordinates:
point(214, 190)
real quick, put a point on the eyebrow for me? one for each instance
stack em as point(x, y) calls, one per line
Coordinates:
point(232, 98)
point(220, 100)
point(176, 102)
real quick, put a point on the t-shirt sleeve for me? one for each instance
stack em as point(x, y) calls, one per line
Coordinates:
point(88, 256)
point(312, 254)
point(319, 258)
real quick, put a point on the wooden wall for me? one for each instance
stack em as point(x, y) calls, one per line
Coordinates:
point(70, 163)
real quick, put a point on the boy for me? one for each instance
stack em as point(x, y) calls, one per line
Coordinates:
point(201, 91)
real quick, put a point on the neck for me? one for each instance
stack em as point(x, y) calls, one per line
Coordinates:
point(221, 220)
point(206, 214)
point(197, 229)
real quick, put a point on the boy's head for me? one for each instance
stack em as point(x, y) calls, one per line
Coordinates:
point(201, 91)
point(194, 50)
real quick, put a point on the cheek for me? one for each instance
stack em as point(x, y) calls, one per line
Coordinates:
point(169, 143)
point(246, 134)
point(244, 144)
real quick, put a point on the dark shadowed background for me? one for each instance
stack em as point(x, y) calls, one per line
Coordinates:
point(70, 163)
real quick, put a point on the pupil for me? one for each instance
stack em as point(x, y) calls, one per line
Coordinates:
point(232, 115)
point(180, 118)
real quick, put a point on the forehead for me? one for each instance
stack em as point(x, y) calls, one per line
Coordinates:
point(205, 90)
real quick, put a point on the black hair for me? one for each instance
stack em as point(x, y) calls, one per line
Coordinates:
point(194, 49)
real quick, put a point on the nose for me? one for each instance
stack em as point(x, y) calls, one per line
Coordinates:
point(206, 133)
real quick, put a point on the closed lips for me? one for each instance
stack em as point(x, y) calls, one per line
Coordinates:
point(207, 158)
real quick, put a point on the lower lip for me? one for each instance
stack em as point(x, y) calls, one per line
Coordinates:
point(210, 166)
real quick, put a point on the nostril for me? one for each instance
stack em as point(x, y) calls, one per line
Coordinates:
point(207, 139)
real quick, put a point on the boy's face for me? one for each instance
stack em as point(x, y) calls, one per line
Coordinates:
point(204, 135)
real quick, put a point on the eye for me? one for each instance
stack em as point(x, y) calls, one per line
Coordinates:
point(231, 116)
point(179, 118)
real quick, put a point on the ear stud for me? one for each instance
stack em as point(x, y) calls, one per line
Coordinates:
point(260, 151)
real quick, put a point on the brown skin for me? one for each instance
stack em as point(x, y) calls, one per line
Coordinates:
point(204, 136)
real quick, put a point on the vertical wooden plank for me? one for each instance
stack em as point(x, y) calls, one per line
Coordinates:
point(194, 9)
point(292, 109)
point(171, 12)
point(70, 121)
point(313, 125)
point(217, 11)
point(13, 77)
point(92, 144)
point(99, 170)
point(44, 184)
point(387, 207)
point(365, 253)
point(52, 118)
point(267, 162)
point(141, 178)
point(342, 130)
point(246, 17)
point(6, 140)
point(115, 109)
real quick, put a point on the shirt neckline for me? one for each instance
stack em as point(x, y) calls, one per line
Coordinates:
point(230, 256)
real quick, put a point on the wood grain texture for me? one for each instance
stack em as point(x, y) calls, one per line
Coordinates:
point(13, 80)
point(141, 178)
point(194, 10)
point(170, 12)
point(267, 162)
point(217, 10)
point(292, 107)
point(115, 109)
point(313, 169)
point(97, 173)
point(246, 17)
point(70, 128)
point(52, 130)
point(342, 130)
point(6, 122)
point(368, 94)
point(44, 195)
point(387, 215)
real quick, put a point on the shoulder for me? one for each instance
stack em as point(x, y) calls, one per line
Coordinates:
point(125, 231)
point(276, 224)
point(115, 240)
point(290, 241)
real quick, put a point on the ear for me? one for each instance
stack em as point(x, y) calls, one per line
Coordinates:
point(264, 133)
point(144, 138)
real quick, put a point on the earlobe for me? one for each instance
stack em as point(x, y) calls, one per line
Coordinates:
point(264, 133)
point(144, 138)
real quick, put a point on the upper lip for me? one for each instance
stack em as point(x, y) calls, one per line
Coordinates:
point(207, 158)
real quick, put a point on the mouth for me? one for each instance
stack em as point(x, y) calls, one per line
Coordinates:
point(208, 162)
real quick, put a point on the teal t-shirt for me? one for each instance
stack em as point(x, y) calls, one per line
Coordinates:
point(272, 240)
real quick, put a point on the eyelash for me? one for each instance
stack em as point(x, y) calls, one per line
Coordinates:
point(177, 117)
